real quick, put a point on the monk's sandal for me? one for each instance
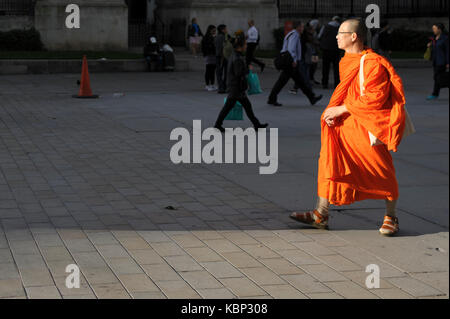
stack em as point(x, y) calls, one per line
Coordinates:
point(390, 226)
point(319, 221)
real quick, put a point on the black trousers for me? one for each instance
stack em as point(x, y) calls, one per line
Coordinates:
point(438, 70)
point(285, 76)
point(221, 73)
point(330, 57)
point(210, 74)
point(250, 55)
point(231, 101)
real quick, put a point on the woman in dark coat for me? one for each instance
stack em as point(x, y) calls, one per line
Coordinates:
point(237, 83)
point(209, 52)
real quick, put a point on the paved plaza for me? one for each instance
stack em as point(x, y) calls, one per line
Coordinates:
point(91, 183)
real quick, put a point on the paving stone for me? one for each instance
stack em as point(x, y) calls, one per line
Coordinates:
point(222, 269)
point(298, 257)
point(33, 278)
point(103, 275)
point(283, 292)
point(259, 251)
point(110, 291)
point(323, 273)
point(112, 251)
point(281, 266)
point(177, 290)
point(216, 293)
point(43, 292)
point(167, 249)
point(414, 287)
point(200, 280)
point(314, 248)
point(242, 287)
point(350, 290)
point(188, 241)
point(241, 259)
point(262, 276)
point(391, 293)
point(305, 283)
point(55, 253)
point(221, 245)
point(134, 243)
point(146, 256)
point(183, 263)
point(148, 295)
point(324, 295)
point(123, 266)
point(8, 271)
point(203, 254)
point(138, 283)
point(161, 272)
point(10, 288)
point(438, 280)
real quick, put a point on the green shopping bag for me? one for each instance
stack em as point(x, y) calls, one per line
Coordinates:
point(236, 112)
point(427, 55)
point(253, 84)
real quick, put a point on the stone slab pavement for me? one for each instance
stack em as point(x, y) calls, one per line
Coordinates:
point(87, 182)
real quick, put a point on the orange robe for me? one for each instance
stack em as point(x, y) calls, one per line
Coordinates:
point(350, 169)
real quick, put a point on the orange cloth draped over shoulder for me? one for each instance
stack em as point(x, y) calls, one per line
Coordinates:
point(350, 169)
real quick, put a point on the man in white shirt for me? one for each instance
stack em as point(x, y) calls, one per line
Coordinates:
point(252, 42)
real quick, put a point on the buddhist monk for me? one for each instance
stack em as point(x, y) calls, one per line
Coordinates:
point(352, 165)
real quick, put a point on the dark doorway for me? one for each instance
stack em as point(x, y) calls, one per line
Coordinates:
point(138, 27)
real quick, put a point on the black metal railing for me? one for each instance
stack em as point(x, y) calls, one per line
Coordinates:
point(388, 8)
point(17, 7)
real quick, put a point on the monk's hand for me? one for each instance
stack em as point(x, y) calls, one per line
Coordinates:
point(333, 112)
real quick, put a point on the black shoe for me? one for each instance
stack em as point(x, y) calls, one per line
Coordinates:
point(274, 103)
point(220, 128)
point(315, 99)
point(262, 68)
point(261, 126)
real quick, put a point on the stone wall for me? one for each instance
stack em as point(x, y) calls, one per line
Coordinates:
point(103, 25)
point(234, 14)
point(8, 23)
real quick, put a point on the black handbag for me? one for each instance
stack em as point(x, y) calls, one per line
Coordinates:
point(283, 60)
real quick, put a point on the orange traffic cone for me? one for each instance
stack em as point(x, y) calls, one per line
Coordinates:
point(85, 85)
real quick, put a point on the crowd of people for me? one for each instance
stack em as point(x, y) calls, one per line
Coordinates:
point(305, 43)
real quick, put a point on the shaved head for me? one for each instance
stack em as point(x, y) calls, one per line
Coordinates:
point(358, 26)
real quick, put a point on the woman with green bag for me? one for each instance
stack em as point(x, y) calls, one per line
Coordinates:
point(237, 83)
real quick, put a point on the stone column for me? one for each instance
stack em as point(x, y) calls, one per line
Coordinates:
point(103, 25)
point(233, 13)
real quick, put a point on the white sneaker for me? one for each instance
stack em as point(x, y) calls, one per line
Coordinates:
point(214, 88)
point(208, 87)
point(211, 88)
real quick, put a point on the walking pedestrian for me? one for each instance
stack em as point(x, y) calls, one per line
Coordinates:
point(221, 62)
point(209, 53)
point(330, 51)
point(253, 38)
point(194, 36)
point(351, 168)
point(237, 84)
point(439, 56)
point(292, 45)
